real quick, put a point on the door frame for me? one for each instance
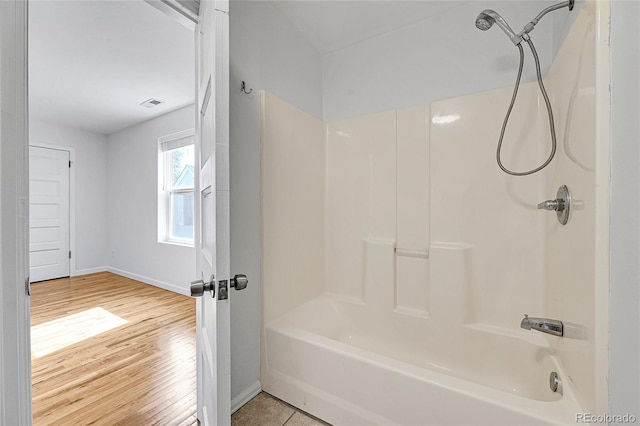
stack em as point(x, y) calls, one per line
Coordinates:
point(15, 328)
point(15, 332)
point(72, 199)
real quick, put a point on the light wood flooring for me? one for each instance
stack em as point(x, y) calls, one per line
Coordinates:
point(139, 373)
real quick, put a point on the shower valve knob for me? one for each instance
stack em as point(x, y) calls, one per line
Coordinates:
point(557, 205)
point(561, 205)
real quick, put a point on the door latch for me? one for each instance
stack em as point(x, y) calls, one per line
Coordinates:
point(223, 290)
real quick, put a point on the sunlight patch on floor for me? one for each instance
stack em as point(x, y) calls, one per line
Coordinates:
point(66, 331)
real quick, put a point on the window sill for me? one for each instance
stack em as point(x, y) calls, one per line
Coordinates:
point(177, 243)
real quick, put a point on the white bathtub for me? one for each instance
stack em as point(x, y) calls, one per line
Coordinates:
point(350, 365)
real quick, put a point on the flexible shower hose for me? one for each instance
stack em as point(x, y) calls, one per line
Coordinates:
point(552, 126)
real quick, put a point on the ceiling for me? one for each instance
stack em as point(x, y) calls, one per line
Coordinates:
point(348, 22)
point(91, 63)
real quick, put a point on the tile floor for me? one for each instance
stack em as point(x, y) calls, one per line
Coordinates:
point(267, 410)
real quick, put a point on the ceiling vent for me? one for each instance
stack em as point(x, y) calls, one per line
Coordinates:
point(151, 103)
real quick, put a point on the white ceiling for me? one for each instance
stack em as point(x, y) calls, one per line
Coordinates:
point(91, 63)
point(333, 25)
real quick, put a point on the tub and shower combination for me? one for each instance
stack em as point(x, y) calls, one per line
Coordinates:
point(356, 368)
point(399, 260)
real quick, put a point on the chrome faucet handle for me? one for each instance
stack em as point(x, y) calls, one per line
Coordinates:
point(557, 205)
point(561, 205)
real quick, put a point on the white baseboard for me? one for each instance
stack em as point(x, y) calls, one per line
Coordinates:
point(88, 271)
point(245, 396)
point(147, 280)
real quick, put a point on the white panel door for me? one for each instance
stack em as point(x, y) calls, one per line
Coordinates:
point(48, 213)
point(212, 241)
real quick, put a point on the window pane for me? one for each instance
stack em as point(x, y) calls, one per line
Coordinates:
point(182, 174)
point(182, 215)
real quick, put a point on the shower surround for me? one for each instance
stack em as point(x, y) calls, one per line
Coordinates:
point(398, 260)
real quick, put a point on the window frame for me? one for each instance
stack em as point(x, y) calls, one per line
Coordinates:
point(165, 190)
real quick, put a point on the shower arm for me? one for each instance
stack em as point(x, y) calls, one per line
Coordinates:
point(524, 34)
point(568, 4)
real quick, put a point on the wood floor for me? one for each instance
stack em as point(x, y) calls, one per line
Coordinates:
point(140, 373)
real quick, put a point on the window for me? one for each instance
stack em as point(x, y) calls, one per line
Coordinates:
point(176, 189)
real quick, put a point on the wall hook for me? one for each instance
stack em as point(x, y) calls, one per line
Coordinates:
point(243, 88)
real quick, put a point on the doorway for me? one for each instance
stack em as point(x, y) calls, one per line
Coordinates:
point(94, 107)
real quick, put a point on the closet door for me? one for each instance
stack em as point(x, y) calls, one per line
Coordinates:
point(49, 253)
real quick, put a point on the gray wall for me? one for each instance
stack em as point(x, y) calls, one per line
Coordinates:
point(624, 379)
point(116, 200)
point(132, 194)
point(438, 58)
point(269, 54)
point(91, 189)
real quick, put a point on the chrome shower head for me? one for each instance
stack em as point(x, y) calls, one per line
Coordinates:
point(488, 17)
point(484, 22)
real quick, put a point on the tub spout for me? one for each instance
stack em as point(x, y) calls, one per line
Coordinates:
point(549, 326)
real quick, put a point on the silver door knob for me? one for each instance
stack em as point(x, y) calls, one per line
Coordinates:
point(198, 287)
point(239, 281)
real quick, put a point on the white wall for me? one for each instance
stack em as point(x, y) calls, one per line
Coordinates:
point(269, 54)
point(413, 66)
point(91, 186)
point(624, 380)
point(133, 245)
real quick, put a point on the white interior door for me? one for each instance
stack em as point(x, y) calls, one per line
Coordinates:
point(212, 206)
point(48, 213)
